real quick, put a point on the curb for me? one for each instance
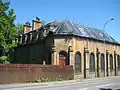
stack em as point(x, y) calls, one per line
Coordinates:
point(46, 84)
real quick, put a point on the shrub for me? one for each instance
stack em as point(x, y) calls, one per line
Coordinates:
point(4, 60)
point(46, 79)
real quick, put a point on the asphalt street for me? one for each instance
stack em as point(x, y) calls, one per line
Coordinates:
point(109, 83)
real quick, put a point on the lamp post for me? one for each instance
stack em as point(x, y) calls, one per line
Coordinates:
point(105, 45)
point(104, 28)
point(107, 23)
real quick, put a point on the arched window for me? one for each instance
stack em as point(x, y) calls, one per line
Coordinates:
point(63, 58)
point(78, 63)
point(92, 62)
point(111, 63)
point(118, 61)
point(49, 58)
point(102, 62)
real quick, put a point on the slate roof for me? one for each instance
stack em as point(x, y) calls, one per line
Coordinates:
point(67, 27)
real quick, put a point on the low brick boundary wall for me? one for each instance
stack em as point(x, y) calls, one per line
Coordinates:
point(20, 73)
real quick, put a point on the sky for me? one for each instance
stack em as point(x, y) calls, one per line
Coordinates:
point(92, 13)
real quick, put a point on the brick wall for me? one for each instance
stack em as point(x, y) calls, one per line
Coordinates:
point(19, 73)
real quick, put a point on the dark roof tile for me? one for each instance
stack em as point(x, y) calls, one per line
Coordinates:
point(68, 27)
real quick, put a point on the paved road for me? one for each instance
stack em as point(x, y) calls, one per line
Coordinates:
point(113, 83)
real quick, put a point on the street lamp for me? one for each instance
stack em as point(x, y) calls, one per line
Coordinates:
point(104, 28)
point(107, 23)
point(105, 45)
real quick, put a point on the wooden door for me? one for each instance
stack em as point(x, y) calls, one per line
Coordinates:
point(62, 61)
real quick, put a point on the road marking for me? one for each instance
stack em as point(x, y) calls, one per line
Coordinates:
point(107, 85)
point(83, 89)
point(98, 86)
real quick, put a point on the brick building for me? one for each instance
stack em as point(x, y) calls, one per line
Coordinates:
point(92, 52)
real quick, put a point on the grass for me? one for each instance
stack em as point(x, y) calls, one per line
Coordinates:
point(46, 79)
point(49, 79)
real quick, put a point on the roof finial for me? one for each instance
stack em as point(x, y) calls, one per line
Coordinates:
point(27, 23)
point(37, 18)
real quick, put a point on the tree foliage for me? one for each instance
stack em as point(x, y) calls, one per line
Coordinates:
point(8, 30)
point(20, 29)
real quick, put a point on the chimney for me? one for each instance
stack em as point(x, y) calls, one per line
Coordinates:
point(27, 27)
point(36, 24)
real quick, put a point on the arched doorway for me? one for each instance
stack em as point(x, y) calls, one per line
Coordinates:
point(63, 58)
point(102, 63)
point(118, 62)
point(78, 62)
point(49, 58)
point(111, 63)
point(92, 62)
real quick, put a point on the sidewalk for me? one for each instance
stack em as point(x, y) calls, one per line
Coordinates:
point(16, 85)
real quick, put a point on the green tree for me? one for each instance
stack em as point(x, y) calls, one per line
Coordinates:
point(8, 30)
point(20, 28)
